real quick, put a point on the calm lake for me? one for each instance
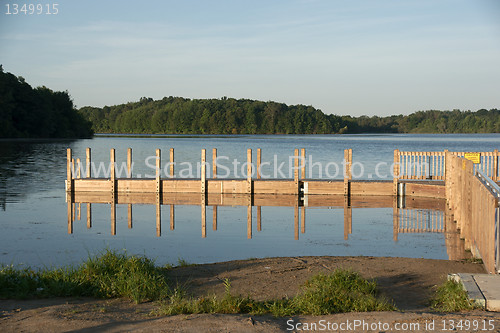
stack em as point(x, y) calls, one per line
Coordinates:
point(33, 208)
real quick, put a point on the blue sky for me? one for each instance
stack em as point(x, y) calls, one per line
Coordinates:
point(343, 57)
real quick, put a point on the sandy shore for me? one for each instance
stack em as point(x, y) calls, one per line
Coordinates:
point(408, 282)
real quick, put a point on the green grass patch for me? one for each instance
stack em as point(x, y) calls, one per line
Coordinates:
point(110, 274)
point(113, 274)
point(340, 291)
point(451, 297)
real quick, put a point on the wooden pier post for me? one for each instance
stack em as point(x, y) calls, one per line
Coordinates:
point(296, 170)
point(259, 157)
point(88, 162)
point(112, 158)
point(249, 171)
point(158, 192)
point(348, 172)
point(158, 172)
point(303, 163)
point(214, 163)
point(78, 169)
point(129, 175)
point(172, 163)
point(396, 172)
point(203, 171)
point(69, 175)
point(129, 163)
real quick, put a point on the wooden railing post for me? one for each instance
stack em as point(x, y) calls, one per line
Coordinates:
point(129, 163)
point(303, 163)
point(172, 163)
point(158, 171)
point(214, 163)
point(112, 158)
point(69, 175)
point(444, 163)
point(129, 175)
point(249, 171)
point(495, 166)
point(203, 171)
point(259, 157)
point(347, 171)
point(78, 168)
point(88, 162)
point(396, 169)
point(296, 169)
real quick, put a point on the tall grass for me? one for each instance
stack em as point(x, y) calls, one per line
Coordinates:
point(340, 291)
point(451, 297)
point(110, 274)
point(113, 274)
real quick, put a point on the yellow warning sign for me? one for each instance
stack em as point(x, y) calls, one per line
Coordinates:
point(474, 157)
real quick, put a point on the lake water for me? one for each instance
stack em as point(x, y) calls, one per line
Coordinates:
point(33, 210)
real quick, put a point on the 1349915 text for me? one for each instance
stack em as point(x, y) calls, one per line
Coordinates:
point(31, 9)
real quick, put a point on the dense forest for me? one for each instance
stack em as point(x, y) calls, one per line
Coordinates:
point(177, 115)
point(37, 113)
point(43, 113)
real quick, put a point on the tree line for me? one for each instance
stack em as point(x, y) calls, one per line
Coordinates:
point(43, 113)
point(27, 112)
point(178, 115)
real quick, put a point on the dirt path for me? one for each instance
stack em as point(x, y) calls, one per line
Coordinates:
point(408, 282)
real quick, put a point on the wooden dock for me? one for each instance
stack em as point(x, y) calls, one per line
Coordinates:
point(468, 182)
point(423, 184)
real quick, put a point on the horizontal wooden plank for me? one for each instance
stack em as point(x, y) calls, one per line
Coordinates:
point(275, 187)
point(92, 185)
point(416, 202)
point(424, 190)
point(371, 188)
point(181, 186)
point(230, 186)
point(324, 187)
point(136, 185)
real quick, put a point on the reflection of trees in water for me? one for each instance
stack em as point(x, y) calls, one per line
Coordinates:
point(3, 199)
point(30, 166)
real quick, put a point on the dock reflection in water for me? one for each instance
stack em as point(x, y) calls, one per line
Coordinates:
point(410, 214)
